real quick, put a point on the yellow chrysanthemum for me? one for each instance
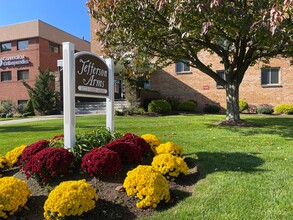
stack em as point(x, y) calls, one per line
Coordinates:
point(3, 162)
point(13, 155)
point(70, 198)
point(152, 140)
point(14, 194)
point(170, 166)
point(148, 185)
point(171, 148)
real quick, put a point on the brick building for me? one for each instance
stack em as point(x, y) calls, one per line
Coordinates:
point(25, 47)
point(262, 84)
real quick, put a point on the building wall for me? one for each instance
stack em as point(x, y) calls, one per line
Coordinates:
point(39, 35)
point(202, 88)
point(14, 90)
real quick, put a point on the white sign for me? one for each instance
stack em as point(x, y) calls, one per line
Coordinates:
point(70, 72)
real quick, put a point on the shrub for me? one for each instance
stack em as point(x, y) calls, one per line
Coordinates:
point(131, 148)
point(14, 155)
point(2, 115)
point(89, 139)
point(170, 166)
point(42, 96)
point(69, 199)
point(101, 162)
point(152, 141)
point(31, 150)
point(148, 185)
point(284, 109)
point(211, 109)
point(173, 101)
point(187, 106)
point(171, 148)
point(243, 105)
point(28, 108)
point(9, 115)
point(5, 107)
point(159, 106)
point(14, 194)
point(265, 109)
point(49, 163)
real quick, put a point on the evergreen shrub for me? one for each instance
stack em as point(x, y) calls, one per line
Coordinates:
point(211, 109)
point(243, 105)
point(283, 109)
point(187, 106)
point(265, 109)
point(159, 106)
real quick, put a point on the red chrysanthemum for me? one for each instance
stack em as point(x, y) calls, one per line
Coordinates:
point(31, 150)
point(101, 162)
point(49, 163)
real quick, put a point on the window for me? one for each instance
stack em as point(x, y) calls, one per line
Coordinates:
point(223, 75)
point(22, 44)
point(22, 102)
point(6, 76)
point(5, 47)
point(22, 74)
point(182, 67)
point(270, 76)
point(53, 48)
point(147, 84)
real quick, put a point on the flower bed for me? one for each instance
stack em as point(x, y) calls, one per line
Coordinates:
point(146, 184)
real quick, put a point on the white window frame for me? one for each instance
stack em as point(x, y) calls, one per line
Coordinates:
point(181, 68)
point(270, 77)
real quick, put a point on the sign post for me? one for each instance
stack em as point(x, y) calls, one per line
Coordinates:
point(110, 100)
point(68, 94)
point(86, 75)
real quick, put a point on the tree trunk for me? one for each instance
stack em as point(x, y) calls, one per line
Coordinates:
point(232, 99)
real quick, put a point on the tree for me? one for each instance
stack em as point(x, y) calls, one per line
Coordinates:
point(239, 32)
point(42, 95)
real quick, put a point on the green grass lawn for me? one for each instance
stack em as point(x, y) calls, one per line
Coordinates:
point(245, 173)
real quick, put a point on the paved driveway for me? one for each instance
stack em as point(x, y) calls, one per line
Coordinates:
point(23, 120)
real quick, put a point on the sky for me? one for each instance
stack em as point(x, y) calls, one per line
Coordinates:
point(68, 15)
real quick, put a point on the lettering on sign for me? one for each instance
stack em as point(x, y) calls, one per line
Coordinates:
point(205, 87)
point(91, 75)
point(14, 60)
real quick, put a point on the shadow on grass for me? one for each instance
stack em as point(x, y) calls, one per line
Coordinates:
point(276, 125)
point(28, 128)
point(211, 162)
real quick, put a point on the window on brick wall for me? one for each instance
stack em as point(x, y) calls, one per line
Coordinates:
point(6, 47)
point(6, 76)
point(22, 44)
point(223, 75)
point(22, 102)
point(183, 67)
point(22, 74)
point(53, 47)
point(270, 76)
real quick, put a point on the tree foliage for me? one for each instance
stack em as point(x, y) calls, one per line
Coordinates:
point(239, 32)
point(42, 95)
